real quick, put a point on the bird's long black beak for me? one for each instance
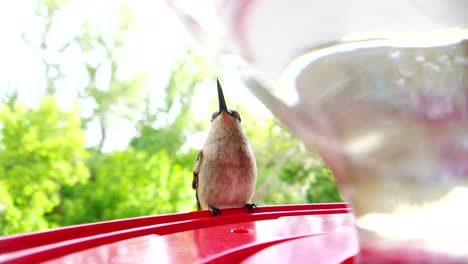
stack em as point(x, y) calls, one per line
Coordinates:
point(222, 102)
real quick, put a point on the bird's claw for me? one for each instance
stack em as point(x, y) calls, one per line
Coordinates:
point(251, 208)
point(215, 211)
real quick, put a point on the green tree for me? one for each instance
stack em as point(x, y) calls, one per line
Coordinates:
point(152, 175)
point(41, 152)
point(101, 53)
point(127, 183)
point(287, 171)
point(175, 117)
point(322, 187)
point(48, 178)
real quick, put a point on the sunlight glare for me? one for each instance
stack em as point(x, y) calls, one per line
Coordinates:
point(426, 221)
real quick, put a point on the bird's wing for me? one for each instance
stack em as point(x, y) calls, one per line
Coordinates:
point(196, 169)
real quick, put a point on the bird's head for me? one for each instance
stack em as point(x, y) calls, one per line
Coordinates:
point(226, 123)
point(224, 114)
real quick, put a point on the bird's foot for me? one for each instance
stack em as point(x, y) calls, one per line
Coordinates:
point(251, 208)
point(215, 211)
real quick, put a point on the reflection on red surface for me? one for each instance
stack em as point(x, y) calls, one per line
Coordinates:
point(300, 239)
point(400, 254)
point(135, 250)
point(322, 233)
point(335, 247)
point(216, 240)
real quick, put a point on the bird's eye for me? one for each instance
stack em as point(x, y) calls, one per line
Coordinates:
point(235, 114)
point(214, 115)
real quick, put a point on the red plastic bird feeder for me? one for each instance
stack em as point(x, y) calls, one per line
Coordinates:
point(312, 233)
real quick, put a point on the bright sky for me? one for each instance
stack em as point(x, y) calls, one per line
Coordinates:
point(154, 48)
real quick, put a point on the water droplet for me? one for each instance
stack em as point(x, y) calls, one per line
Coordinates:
point(459, 60)
point(420, 58)
point(444, 59)
point(395, 55)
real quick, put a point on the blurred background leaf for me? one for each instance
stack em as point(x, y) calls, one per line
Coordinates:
point(104, 109)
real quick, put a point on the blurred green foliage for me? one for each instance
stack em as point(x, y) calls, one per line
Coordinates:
point(126, 184)
point(41, 152)
point(48, 178)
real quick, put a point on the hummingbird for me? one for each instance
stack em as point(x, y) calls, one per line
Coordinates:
point(225, 172)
